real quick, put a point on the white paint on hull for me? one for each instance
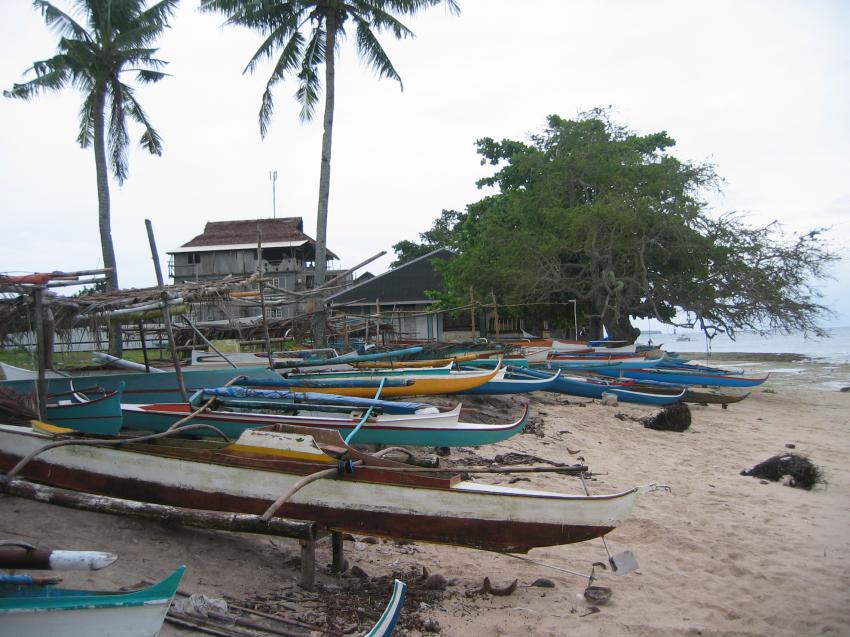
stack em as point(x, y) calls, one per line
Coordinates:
point(466, 500)
point(127, 621)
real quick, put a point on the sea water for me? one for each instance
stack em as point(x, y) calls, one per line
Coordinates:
point(792, 359)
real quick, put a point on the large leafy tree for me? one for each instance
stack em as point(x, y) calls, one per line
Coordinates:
point(112, 38)
point(593, 212)
point(303, 35)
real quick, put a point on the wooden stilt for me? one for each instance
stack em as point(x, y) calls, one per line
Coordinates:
point(338, 563)
point(308, 564)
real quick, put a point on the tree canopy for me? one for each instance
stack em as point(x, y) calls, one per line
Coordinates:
point(590, 211)
point(114, 38)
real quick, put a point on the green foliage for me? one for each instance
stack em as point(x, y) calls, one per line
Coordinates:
point(93, 58)
point(298, 35)
point(591, 211)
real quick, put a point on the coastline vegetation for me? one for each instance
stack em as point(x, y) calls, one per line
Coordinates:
point(591, 213)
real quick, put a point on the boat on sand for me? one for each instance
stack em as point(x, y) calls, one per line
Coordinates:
point(367, 495)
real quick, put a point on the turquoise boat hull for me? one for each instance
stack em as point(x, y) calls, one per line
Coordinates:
point(405, 433)
point(147, 388)
point(28, 610)
point(100, 415)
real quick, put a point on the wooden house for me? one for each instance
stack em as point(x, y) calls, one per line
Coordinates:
point(230, 248)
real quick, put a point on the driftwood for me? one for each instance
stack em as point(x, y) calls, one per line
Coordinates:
point(217, 520)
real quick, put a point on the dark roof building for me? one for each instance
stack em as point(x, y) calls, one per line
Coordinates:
point(407, 284)
point(401, 297)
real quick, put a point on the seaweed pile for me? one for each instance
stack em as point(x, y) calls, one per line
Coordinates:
point(802, 471)
point(675, 417)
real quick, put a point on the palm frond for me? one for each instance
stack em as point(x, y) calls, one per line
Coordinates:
point(51, 75)
point(147, 26)
point(86, 134)
point(309, 81)
point(376, 18)
point(61, 22)
point(146, 76)
point(150, 140)
point(373, 53)
point(117, 134)
point(289, 55)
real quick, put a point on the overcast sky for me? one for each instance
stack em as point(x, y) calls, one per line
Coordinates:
point(760, 88)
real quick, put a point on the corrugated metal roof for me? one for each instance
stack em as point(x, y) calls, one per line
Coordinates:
point(405, 285)
point(242, 233)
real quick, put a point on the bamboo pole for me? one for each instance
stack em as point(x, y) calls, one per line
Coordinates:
point(41, 389)
point(209, 343)
point(219, 520)
point(472, 311)
point(495, 313)
point(141, 325)
point(260, 270)
point(166, 315)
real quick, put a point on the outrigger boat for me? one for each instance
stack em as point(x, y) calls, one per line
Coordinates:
point(379, 497)
point(628, 392)
point(427, 427)
point(421, 384)
point(687, 376)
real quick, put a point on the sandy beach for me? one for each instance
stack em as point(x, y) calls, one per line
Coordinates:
point(721, 554)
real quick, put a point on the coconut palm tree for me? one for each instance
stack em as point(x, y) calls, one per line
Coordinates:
point(303, 35)
point(112, 39)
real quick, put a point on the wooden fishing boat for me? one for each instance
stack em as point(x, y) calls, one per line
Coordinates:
point(515, 383)
point(147, 388)
point(379, 497)
point(368, 373)
point(33, 610)
point(10, 372)
point(449, 382)
point(439, 362)
point(624, 391)
point(687, 377)
point(435, 428)
point(90, 410)
point(603, 362)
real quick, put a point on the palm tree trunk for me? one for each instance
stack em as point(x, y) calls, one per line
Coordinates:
point(325, 179)
point(106, 247)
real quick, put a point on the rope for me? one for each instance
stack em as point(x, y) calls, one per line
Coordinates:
point(95, 442)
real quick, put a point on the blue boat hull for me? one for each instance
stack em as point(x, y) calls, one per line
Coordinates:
point(686, 377)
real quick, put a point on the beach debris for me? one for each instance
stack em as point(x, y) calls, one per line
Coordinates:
point(199, 605)
point(535, 426)
point(359, 572)
point(844, 390)
point(488, 588)
point(598, 595)
point(590, 611)
point(802, 472)
point(543, 582)
point(790, 445)
point(435, 582)
point(676, 417)
point(431, 626)
point(608, 399)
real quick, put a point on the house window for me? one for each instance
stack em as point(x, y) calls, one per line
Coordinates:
point(193, 258)
point(276, 283)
